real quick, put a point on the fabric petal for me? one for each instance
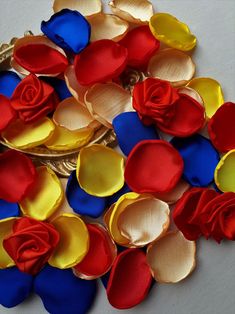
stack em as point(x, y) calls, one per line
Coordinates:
point(8, 82)
point(8, 209)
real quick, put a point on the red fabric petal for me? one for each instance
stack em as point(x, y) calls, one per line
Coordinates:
point(100, 255)
point(40, 59)
point(101, 61)
point(17, 175)
point(188, 118)
point(8, 114)
point(221, 128)
point(153, 166)
point(129, 280)
point(141, 45)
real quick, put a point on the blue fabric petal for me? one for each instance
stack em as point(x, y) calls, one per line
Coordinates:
point(8, 82)
point(63, 293)
point(59, 86)
point(8, 209)
point(68, 29)
point(15, 286)
point(81, 202)
point(113, 198)
point(130, 131)
point(200, 159)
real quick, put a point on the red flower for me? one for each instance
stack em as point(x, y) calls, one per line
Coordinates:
point(17, 175)
point(33, 99)
point(154, 100)
point(8, 114)
point(31, 244)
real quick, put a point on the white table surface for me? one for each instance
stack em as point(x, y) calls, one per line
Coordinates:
point(211, 288)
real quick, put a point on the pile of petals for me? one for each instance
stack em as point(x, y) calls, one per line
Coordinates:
point(176, 138)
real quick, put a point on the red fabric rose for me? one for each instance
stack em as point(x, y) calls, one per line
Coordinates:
point(154, 100)
point(33, 99)
point(31, 244)
point(8, 114)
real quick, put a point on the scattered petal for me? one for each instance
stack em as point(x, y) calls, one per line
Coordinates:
point(225, 172)
point(107, 26)
point(59, 86)
point(64, 139)
point(192, 93)
point(15, 287)
point(8, 114)
point(24, 136)
point(100, 170)
point(18, 171)
point(200, 159)
point(130, 131)
point(88, 68)
point(141, 45)
point(37, 54)
point(62, 26)
point(172, 65)
point(82, 202)
point(100, 256)
point(5, 229)
point(74, 241)
point(106, 101)
point(138, 11)
point(61, 292)
point(174, 33)
point(172, 258)
point(8, 82)
point(113, 198)
point(210, 91)
point(8, 209)
point(73, 116)
point(153, 166)
point(221, 128)
point(42, 202)
point(130, 279)
point(83, 6)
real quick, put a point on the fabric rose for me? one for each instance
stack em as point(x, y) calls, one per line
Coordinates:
point(33, 99)
point(31, 244)
point(154, 100)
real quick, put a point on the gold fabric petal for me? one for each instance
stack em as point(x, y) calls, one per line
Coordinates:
point(73, 116)
point(134, 11)
point(45, 196)
point(5, 229)
point(106, 101)
point(78, 91)
point(100, 170)
point(144, 221)
point(171, 258)
point(192, 93)
point(36, 40)
point(85, 7)
point(74, 241)
point(224, 172)
point(172, 65)
point(64, 139)
point(107, 26)
point(23, 136)
point(210, 91)
point(172, 32)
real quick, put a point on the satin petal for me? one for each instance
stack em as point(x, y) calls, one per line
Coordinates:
point(224, 172)
point(8, 82)
point(83, 6)
point(5, 229)
point(8, 209)
point(59, 86)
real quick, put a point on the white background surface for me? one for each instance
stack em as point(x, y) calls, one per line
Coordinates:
point(211, 288)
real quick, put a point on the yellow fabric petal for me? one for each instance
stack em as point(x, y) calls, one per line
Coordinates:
point(134, 11)
point(5, 230)
point(100, 170)
point(85, 7)
point(107, 26)
point(63, 139)
point(225, 172)
point(74, 241)
point(174, 33)
point(45, 196)
point(23, 136)
point(171, 258)
point(210, 91)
